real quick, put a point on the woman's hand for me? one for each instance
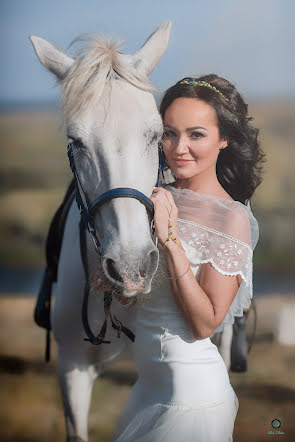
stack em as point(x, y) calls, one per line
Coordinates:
point(164, 208)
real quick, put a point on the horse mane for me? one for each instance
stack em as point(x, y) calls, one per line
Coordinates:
point(97, 64)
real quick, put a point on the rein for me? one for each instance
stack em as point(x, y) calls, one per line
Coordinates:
point(87, 211)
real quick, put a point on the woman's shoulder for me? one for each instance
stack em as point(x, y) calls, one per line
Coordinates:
point(223, 195)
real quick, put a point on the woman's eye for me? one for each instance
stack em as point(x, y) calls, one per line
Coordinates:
point(196, 135)
point(168, 134)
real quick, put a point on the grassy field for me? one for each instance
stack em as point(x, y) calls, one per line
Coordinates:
point(34, 174)
point(31, 409)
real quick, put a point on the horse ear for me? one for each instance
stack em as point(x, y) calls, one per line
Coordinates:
point(52, 59)
point(146, 58)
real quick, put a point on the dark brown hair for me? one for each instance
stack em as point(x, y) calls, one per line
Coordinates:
point(239, 165)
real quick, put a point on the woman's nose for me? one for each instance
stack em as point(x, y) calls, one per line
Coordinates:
point(182, 145)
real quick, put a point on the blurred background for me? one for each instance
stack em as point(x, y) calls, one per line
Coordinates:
point(249, 42)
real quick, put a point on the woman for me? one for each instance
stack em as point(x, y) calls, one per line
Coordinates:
point(206, 236)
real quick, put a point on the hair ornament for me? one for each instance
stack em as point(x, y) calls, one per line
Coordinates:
point(204, 84)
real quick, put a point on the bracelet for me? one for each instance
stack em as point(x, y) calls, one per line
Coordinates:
point(171, 236)
point(177, 277)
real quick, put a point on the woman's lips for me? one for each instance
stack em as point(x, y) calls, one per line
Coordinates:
point(182, 162)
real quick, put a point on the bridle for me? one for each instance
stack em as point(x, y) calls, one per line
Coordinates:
point(87, 210)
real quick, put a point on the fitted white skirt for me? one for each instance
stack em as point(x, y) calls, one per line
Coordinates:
point(183, 392)
point(145, 420)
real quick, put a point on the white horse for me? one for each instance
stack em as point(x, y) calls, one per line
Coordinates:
point(114, 125)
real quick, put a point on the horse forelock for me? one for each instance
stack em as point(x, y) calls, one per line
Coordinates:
point(97, 65)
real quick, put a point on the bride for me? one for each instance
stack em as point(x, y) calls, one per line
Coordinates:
point(206, 237)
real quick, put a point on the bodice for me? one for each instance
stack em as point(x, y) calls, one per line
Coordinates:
point(160, 310)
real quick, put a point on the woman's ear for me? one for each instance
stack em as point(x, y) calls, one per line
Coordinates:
point(223, 144)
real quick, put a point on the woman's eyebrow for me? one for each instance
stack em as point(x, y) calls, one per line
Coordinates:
point(188, 129)
point(196, 127)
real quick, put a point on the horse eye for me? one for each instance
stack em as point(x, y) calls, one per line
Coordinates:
point(76, 143)
point(155, 138)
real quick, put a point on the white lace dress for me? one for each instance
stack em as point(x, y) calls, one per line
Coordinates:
point(183, 392)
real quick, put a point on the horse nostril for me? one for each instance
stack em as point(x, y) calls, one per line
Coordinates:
point(148, 266)
point(144, 268)
point(111, 267)
point(142, 272)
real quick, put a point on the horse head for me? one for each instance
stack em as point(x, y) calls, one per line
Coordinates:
point(114, 127)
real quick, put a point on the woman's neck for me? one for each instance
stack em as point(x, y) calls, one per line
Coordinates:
point(213, 187)
point(208, 186)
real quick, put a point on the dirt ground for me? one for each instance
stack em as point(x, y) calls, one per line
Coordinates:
point(31, 407)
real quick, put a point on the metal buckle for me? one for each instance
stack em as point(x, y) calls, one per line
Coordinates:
point(96, 245)
point(94, 239)
point(153, 229)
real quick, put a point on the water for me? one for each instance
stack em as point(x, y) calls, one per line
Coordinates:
point(19, 281)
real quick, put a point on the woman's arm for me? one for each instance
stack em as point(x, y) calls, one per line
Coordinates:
point(203, 304)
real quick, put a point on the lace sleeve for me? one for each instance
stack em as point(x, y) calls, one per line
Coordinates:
point(230, 253)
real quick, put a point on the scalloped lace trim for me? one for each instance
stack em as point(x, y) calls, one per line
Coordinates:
point(225, 235)
point(223, 272)
point(226, 254)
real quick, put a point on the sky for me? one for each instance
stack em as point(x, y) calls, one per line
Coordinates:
point(249, 42)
